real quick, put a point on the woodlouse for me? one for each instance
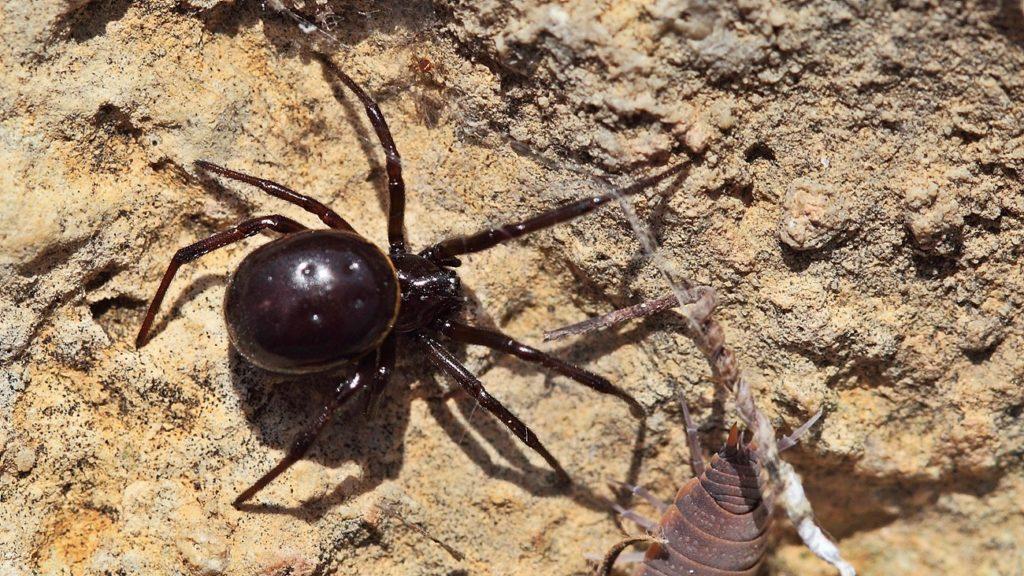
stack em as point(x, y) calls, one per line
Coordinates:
point(717, 525)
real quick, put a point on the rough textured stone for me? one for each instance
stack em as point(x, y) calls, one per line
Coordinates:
point(813, 217)
point(897, 308)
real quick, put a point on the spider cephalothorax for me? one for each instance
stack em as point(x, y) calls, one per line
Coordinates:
point(431, 293)
point(315, 300)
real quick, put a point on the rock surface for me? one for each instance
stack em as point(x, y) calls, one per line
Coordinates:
point(856, 198)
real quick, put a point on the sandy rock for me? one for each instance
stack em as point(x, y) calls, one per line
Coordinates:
point(196, 538)
point(24, 460)
point(981, 333)
point(934, 217)
point(854, 196)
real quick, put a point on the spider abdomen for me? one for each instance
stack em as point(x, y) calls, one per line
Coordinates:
point(310, 301)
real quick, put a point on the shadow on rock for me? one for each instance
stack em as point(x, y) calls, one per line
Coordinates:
point(281, 407)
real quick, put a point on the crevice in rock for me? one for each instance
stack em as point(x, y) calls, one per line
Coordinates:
point(759, 151)
point(52, 257)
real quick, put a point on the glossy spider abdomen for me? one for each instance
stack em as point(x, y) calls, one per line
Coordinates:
point(311, 301)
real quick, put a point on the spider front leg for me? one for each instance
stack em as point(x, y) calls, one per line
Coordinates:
point(447, 363)
point(193, 251)
point(312, 205)
point(396, 186)
point(446, 250)
point(507, 344)
point(363, 377)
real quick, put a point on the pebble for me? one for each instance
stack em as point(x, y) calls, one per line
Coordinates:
point(25, 460)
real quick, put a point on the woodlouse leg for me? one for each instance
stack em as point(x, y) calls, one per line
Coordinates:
point(505, 343)
point(605, 568)
point(457, 245)
point(640, 520)
point(312, 205)
point(787, 442)
point(659, 504)
point(396, 186)
point(385, 366)
point(637, 556)
point(447, 363)
point(696, 454)
point(342, 393)
point(194, 251)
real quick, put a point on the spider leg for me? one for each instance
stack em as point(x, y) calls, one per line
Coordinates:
point(396, 186)
point(342, 393)
point(194, 251)
point(696, 454)
point(447, 363)
point(505, 343)
point(385, 366)
point(329, 217)
point(458, 245)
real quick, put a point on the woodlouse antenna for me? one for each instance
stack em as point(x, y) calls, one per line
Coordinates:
point(614, 552)
point(696, 454)
point(612, 318)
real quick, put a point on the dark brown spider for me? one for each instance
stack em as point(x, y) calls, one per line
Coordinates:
point(314, 300)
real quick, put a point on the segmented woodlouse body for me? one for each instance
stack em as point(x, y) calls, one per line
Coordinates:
point(717, 524)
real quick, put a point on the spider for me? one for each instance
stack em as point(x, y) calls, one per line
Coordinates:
point(313, 301)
